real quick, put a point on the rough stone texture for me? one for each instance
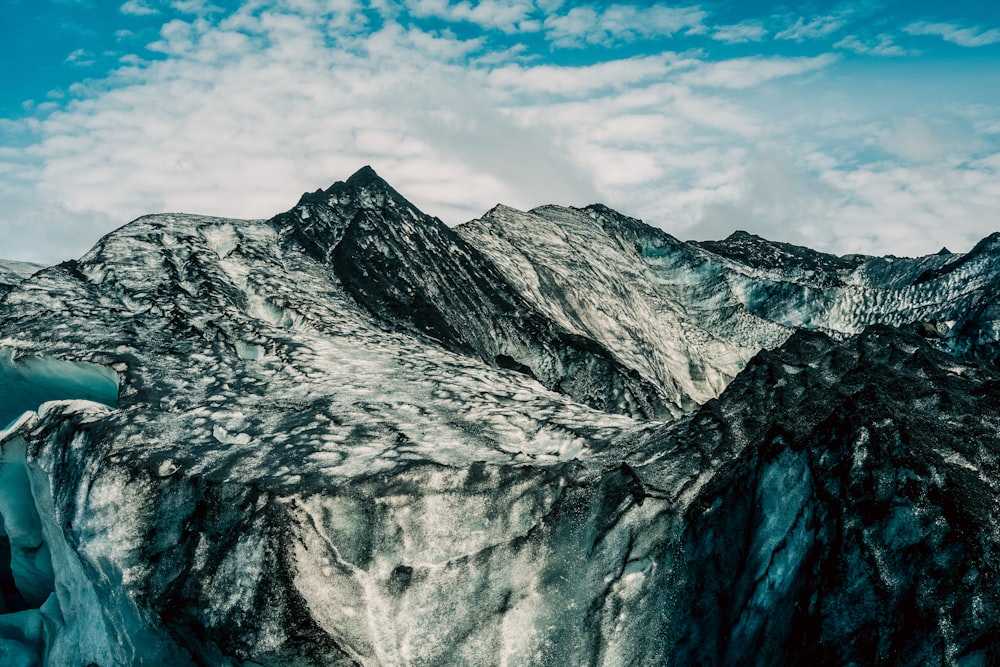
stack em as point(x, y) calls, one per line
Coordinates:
point(349, 435)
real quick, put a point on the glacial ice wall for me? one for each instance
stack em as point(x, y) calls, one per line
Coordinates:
point(27, 382)
point(292, 478)
point(422, 563)
point(33, 626)
point(63, 604)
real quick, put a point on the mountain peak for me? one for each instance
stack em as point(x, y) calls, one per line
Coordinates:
point(365, 189)
point(365, 176)
point(742, 235)
point(756, 251)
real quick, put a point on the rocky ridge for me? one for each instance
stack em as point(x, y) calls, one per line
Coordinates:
point(13, 273)
point(349, 435)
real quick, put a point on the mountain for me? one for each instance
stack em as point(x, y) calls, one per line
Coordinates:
point(689, 316)
point(12, 273)
point(351, 435)
point(854, 519)
point(752, 250)
point(411, 270)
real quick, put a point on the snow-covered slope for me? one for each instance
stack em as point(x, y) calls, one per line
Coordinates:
point(12, 273)
point(688, 316)
point(576, 267)
point(349, 435)
point(251, 381)
point(411, 271)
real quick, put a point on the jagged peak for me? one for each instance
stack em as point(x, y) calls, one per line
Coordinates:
point(364, 202)
point(365, 176)
point(364, 189)
point(601, 209)
point(743, 235)
point(554, 207)
point(502, 208)
point(756, 251)
point(987, 244)
point(364, 180)
point(603, 212)
point(626, 228)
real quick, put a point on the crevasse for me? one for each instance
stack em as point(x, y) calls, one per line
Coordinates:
point(30, 611)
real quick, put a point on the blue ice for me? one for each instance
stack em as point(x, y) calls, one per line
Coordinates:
point(28, 382)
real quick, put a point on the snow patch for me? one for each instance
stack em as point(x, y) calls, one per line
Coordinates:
point(221, 434)
point(222, 239)
point(249, 351)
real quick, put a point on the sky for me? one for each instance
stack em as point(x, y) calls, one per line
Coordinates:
point(860, 126)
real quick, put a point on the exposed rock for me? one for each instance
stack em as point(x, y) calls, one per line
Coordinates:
point(350, 435)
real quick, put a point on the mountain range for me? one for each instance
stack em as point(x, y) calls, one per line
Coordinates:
point(352, 435)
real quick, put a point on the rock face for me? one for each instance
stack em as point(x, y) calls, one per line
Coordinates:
point(12, 273)
point(411, 271)
point(689, 316)
point(350, 435)
point(858, 524)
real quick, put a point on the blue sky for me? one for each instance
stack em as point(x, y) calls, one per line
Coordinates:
point(851, 127)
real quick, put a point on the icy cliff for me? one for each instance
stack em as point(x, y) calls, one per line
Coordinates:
point(12, 273)
point(351, 435)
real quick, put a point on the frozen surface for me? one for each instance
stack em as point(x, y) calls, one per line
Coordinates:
point(26, 383)
point(12, 273)
point(689, 316)
point(30, 560)
point(291, 461)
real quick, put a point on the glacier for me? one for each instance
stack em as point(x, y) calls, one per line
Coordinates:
point(28, 382)
point(349, 435)
point(33, 626)
point(13, 273)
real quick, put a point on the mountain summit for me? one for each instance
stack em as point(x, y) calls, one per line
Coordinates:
point(411, 271)
point(351, 435)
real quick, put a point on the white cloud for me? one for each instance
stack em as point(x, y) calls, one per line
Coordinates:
point(506, 15)
point(609, 24)
point(955, 33)
point(137, 8)
point(817, 183)
point(914, 210)
point(195, 7)
point(81, 58)
point(772, 196)
point(875, 208)
point(753, 71)
point(916, 139)
point(740, 33)
point(820, 26)
point(585, 81)
point(885, 46)
point(241, 113)
point(238, 122)
point(42, 229)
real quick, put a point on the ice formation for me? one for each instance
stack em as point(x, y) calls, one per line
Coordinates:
point(349, 435)
point(33, 627)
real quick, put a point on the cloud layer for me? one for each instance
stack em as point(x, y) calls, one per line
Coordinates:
point(237, 113)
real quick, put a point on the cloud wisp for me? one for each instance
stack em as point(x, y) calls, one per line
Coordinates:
point(955, 33)
point(883, 45)
point(740, 33)
point(609, 24)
